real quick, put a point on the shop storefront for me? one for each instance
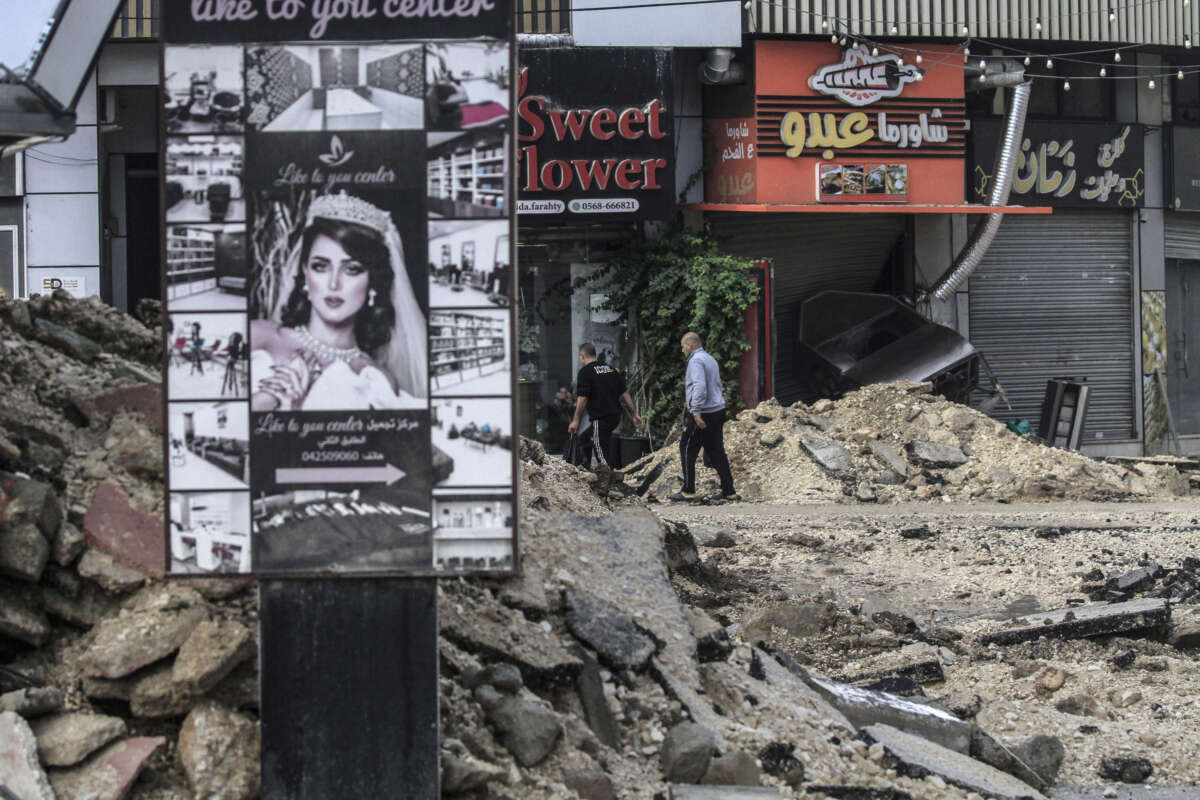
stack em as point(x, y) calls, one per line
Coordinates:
point(1054, 295)
point(1181, 326)
point(820, 164)
point(595, 159)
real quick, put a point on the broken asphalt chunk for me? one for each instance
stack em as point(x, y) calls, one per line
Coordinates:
point(1082, 622)
point(917, 757)
point(616, 638)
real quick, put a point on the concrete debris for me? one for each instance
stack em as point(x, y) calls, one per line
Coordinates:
point(108, 774)
point(528, 729)
point(145, 635)
point(692, 792)
point(219, 750)
point(20, 770)
point(615, 637)
point(733, 769)
point(66, 739)
point(918, 757)
point(1126, 770)
point(33, 702)
point(212, 650)
point(687, 752)
point(1084, 621)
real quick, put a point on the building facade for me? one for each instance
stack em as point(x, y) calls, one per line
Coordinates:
point(1101, 288)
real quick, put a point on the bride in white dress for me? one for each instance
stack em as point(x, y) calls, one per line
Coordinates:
point(349, 335)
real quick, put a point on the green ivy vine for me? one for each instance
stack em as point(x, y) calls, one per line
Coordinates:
point(661, 288)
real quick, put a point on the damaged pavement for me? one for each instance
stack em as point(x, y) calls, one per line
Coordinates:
point(878, 642)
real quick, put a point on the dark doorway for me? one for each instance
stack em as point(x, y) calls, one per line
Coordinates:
point(1183, 344)
point(144, 274)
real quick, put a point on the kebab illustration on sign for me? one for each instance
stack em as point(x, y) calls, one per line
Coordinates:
point(349, 333)
point(860, 78)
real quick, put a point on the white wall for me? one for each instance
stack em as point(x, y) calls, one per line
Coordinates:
point(62, 208)
point(660, 25)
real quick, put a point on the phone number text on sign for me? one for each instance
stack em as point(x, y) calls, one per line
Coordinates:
point(611, 205)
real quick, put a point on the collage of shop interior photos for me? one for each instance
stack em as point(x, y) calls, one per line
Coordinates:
point(459, 95)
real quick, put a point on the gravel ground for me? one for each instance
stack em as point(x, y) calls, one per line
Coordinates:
point(975, 565)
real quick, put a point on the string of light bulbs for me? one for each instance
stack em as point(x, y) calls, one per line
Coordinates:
point(1115, 8)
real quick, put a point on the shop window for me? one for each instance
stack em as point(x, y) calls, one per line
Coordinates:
point(1185, 99)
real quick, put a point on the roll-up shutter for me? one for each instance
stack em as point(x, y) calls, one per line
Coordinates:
point(1183, 236)
point(810, 253)
point(1053, 298)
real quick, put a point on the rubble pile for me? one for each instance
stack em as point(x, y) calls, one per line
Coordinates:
point(897, 443)
point(116, 684)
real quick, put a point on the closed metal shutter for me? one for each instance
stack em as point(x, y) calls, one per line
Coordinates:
point(1183, 236)
point(810, 253)
point(1053, 298)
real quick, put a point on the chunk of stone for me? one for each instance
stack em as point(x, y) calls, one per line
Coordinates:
point(770, 439)
point(528, 729)
point(779, 760)
point(113, 577)
point(863, 707)
point(1135, 580)
point(917, 757)
point(1080, 622)
point(712, 536)
point(1080, 705)
point(712, 641)
point(1035, 761)
point(67, 545)
point(615, 637)
point(504, 677)
point(212, 650)
point(589, 784)
point(159, 623)
point(20, 770)
point(463, 772)
point(827, 453)
point(154, 695)
point(66, 739)
point(22, 614)
point(687, 752)
point(1126, 770)
point(29, 518)
point(683, 791)
point(130, 535)
point(109, 774)
point(33, 701)
point(889, 457)
point(733, 769)
point(936, 455)
point(68, 341)
point(599, 717)
point(219, 750)
point(1185, 631)
point(92, 605)
point(498, 633)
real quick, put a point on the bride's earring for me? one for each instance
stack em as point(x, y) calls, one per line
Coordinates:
point(371, 298)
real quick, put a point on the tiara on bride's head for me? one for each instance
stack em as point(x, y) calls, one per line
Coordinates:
point(344, 208)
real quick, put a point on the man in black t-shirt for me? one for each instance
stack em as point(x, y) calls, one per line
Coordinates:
point(600, 390)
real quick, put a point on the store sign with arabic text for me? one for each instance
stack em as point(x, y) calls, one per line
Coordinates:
point(842, 126)
point(1066, 165)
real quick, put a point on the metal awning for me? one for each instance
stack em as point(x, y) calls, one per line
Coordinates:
point(865, 208)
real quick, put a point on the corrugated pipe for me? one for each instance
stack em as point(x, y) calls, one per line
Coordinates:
point(981, 238)
point(718, 68)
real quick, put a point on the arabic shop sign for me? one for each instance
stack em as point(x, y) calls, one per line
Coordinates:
point(861, 79)
point(595, 138)
point(896, 130)
point(1074, 165)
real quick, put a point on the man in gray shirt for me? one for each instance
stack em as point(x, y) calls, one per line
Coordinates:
point(705, 403)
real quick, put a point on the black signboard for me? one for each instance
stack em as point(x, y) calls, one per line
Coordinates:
point(1184, 169)
point(216, 21)
point(595, 136)
point(1065, 165)
point(336, 402)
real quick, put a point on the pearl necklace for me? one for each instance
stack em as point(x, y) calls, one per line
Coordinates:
point(326, 352)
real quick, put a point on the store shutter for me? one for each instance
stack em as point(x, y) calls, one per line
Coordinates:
point(1053, 298)
point(810, 253)
point(1183, 236)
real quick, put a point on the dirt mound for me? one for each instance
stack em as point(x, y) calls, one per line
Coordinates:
point(897, 443)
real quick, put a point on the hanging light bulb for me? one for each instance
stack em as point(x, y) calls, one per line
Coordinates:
point(833, 38)
point(895, 29)
point(1117, 56)
point(1179, 75)
point(1187, 42)
point(875, 51)
point(854, 45)
point(1037, 25)
point(1150, 85)
point(1066, 86)
point(1112, 15)
point(1049, 63)
point(824, 24)
point(842, 41)
point(982, 64)
point(918, 58)
point(1103, 72)
point(1027, 61)
point(966, 31)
